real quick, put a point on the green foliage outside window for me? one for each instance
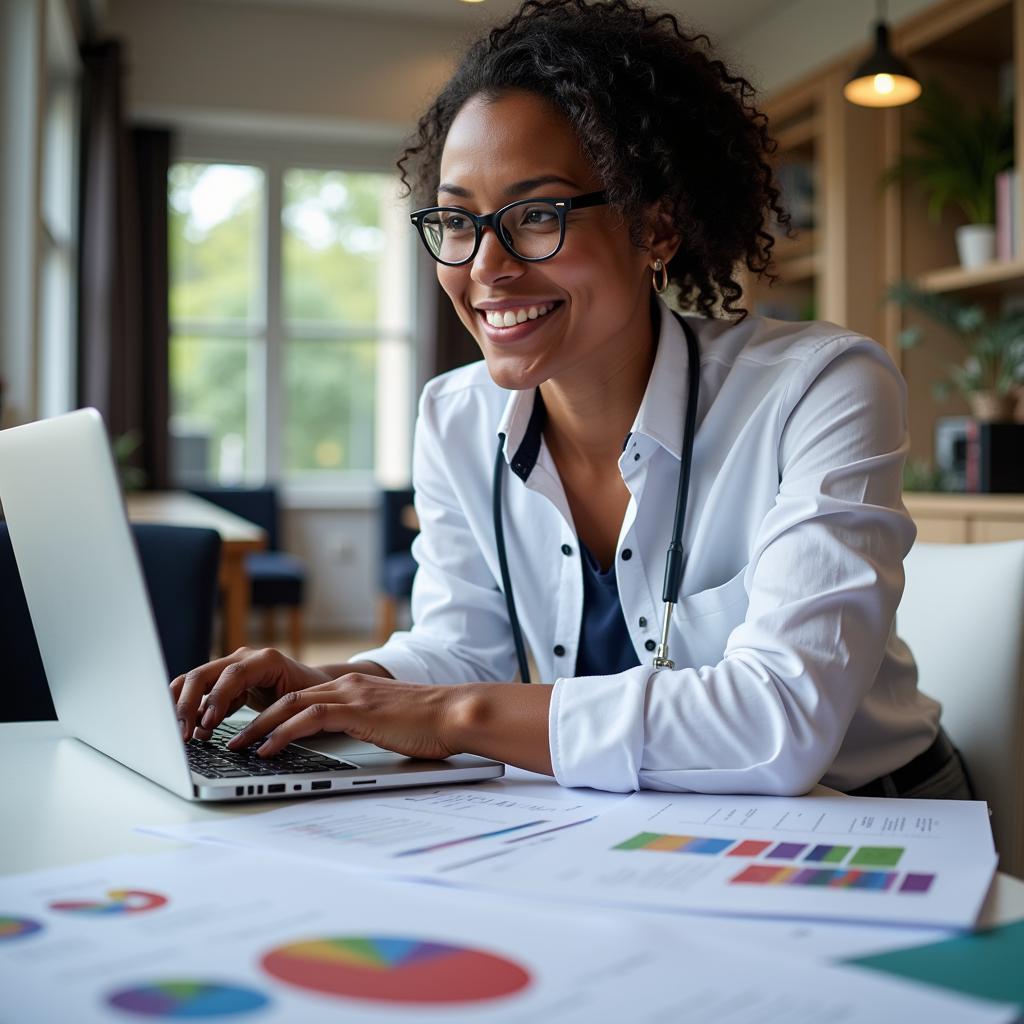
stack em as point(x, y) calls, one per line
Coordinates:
point(332, 248)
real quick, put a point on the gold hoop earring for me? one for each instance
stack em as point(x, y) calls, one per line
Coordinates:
point(662, 284)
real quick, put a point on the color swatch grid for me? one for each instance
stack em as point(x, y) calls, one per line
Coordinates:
point(833, 878)
point(823, 853)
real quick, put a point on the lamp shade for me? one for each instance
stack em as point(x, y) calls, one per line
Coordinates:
point(883, 80)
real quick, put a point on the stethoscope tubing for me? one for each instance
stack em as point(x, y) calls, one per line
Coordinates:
point(675, 560)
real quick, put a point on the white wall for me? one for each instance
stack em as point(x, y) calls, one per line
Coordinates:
point(313, 72)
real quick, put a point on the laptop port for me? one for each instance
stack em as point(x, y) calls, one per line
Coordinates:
point(364, 782)
point(239, 790)
point(325, 784)
point(277, 787)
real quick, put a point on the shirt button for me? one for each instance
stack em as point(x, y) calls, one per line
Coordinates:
point(650, 645)
point(559, 651)
point(627, 554)
point(566, 550)
point(643, 622)
point(636, 458)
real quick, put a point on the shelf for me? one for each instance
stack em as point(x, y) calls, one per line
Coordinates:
point(798, 134)
point(798, 269)
point(997, 276)
point(927, 503)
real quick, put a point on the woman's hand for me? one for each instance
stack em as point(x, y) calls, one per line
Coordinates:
point(410, 718)
point(253, 677)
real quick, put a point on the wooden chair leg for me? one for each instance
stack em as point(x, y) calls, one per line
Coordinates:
point(269, 629)
point(387, 617)
point(295, 630)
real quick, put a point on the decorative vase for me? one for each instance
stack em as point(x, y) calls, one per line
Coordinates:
point(991, 406)
point(976, 244)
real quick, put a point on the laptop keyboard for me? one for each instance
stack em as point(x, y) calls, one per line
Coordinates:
point(212, 758)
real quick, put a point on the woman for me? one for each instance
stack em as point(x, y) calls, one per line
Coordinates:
point(583, 157)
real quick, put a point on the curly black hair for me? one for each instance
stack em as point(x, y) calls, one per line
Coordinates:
point(658, 116)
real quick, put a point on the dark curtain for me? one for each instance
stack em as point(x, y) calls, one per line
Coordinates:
point(123, 326)
point(455, 345)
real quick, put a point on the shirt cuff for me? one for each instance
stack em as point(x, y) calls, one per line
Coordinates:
point(399, 661)
point(596, 730)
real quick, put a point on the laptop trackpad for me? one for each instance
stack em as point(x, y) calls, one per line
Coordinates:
point(338, 745)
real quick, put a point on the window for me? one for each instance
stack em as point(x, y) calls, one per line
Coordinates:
point(291, 302)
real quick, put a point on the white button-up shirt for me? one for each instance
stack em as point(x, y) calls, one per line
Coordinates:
point(788, 667)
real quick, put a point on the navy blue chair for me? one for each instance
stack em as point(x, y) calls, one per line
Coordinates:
point(180, 566)
point(397, 568)
point(278, 578)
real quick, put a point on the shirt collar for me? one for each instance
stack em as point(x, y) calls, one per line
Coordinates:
point(661, 413)
point(660, 416)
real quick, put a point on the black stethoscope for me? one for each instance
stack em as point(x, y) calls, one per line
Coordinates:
point(674, 557)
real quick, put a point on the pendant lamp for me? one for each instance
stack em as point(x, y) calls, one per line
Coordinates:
point(883, 80)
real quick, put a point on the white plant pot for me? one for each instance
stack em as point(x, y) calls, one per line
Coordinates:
point(976, 244)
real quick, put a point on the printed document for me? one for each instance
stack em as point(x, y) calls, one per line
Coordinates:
point(908, 862)
point(214, 931)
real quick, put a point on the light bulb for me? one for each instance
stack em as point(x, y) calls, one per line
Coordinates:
point(884, 84)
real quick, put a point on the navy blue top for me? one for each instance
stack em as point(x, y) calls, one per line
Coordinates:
point(605, 647)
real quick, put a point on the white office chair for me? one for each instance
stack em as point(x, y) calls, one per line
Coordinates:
point(963, 616)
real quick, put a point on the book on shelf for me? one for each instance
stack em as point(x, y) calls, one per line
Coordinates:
point(1007, 189)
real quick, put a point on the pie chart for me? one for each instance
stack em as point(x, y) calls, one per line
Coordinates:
point(390, 969)
point(118, 901)
point(187, 999)
point(17, 927)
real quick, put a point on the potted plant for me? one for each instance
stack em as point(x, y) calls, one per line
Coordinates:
point(994, 367)
point(958, 154)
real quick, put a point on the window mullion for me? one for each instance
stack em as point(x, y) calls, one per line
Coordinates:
point(274, 421)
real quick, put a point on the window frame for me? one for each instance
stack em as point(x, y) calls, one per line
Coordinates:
point(274, 156)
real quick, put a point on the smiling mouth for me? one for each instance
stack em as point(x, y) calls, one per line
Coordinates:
point(516, 315)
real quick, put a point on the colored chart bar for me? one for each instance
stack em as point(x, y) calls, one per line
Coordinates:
point(786, 851)
point(916, 883)
point(670, 844)
point(637, 842)
point(664, 843)
point(829, 878)
point(749, 848)
point(712, 846)
point(827, 854)
point(877, 856)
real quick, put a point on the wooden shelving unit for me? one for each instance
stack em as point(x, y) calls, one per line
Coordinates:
point(999, 277)
point(864, 239)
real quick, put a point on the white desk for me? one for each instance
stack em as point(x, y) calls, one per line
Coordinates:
point(63, 802)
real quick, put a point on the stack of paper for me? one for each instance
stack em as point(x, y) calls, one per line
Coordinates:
point(219, 932)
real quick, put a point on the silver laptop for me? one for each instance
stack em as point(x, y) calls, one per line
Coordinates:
point(99, 644)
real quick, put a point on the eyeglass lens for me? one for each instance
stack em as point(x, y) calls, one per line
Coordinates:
point(530, 229)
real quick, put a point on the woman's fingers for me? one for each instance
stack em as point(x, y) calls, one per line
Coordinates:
point(279, 718)
point(263, 669)
point(190, 688)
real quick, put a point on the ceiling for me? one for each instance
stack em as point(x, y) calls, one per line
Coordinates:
point(720, 18)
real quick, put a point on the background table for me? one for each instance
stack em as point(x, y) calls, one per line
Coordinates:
point(238, 538)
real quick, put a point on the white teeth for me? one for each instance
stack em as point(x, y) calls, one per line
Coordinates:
point(511, 317)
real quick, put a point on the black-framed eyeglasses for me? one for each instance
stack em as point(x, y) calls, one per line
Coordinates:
point(529, 229)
